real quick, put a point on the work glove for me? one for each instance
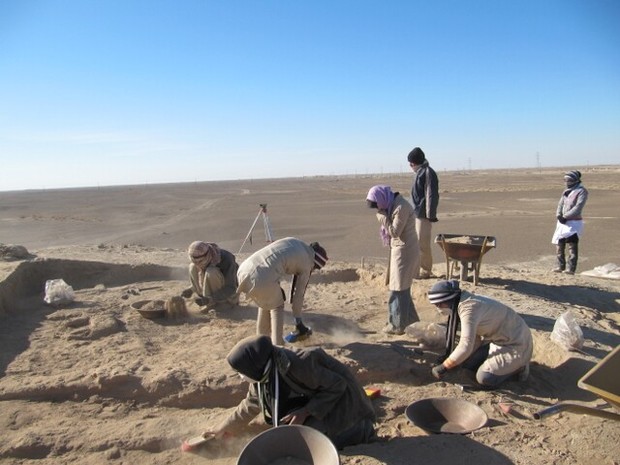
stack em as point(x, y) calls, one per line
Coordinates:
point(439, 371)
point(187, 293)
point(203, 301)
point(561, 219)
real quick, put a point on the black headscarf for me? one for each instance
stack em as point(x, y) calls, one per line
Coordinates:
point(250, 357)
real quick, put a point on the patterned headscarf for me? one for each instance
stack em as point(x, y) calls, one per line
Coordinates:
point(204, 254)
point(384, 198)
point(572, 178)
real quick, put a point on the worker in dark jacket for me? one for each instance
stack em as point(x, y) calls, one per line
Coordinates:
point(298, 387)
point(425, 197)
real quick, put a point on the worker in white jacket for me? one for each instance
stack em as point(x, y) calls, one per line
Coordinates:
point(495, 342)
point(260, 277)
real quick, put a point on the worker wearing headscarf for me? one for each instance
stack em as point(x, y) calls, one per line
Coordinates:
point(397, 219)
point(569, 226)
point(212, 274)
point(495, 342)
point(305, 386)
point(260, 276)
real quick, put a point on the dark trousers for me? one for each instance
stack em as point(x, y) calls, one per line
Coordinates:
point(573, 253)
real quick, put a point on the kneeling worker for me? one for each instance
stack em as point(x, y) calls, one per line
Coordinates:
point(495, 342)
point(212, 274)
point(298, 387)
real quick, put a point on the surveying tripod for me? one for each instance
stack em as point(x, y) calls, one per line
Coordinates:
point(266, 224)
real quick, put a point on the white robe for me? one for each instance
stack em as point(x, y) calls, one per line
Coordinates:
point(562, 231)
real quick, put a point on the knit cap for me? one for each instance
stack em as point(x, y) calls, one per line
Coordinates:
point(444, 291)
point(416, 156)
point(320, 255)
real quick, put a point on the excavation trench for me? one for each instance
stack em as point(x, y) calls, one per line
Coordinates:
point(98, 346)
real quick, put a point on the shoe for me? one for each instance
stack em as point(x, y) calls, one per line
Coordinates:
point(568, 272)
point(390, 329)
point(558, 270)
point(301, 332)
point(524, 374)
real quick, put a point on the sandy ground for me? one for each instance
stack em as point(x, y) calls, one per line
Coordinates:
point(94, 382)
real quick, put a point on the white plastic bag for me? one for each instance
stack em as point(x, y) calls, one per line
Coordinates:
point(427, 334)
point(58, 292)
point(567, 333)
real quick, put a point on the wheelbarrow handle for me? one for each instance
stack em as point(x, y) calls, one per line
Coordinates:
point(575, 408)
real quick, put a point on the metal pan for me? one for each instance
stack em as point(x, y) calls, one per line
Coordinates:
point(446, 415)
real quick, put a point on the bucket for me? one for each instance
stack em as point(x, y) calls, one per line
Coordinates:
point(289, 445)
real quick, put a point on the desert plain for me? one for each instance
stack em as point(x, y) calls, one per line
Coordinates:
point(93, 382)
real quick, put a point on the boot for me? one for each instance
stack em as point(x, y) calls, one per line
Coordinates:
point(560, 257)
point(573, 255)
point(301, 332)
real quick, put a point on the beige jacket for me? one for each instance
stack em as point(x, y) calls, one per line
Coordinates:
point(261, 273)
point(485, 320)
point(404, 248)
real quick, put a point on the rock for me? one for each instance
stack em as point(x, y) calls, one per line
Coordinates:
point(13, 252)
point(113, 453)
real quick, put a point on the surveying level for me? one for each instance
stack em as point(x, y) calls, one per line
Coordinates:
point(266, 225)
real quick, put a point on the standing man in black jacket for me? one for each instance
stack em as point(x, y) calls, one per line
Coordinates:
point(425, 196)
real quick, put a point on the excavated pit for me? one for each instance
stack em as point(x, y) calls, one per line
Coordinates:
point(98, 360)
point(99, 346)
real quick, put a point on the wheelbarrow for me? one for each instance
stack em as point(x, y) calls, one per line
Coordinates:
point(602, 380)
point(464, 251)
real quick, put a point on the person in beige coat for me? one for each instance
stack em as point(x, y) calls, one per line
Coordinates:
point(260, 277)
point(397, 219)
point(495, 342)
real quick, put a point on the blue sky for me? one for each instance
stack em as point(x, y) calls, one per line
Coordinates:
point(108, 92)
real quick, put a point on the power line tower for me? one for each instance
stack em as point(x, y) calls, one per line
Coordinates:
point(262, 212)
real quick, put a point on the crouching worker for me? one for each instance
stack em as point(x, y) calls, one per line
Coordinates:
point(259, 278)
point(212, 274)
point(301, 387)
point(495, 342)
